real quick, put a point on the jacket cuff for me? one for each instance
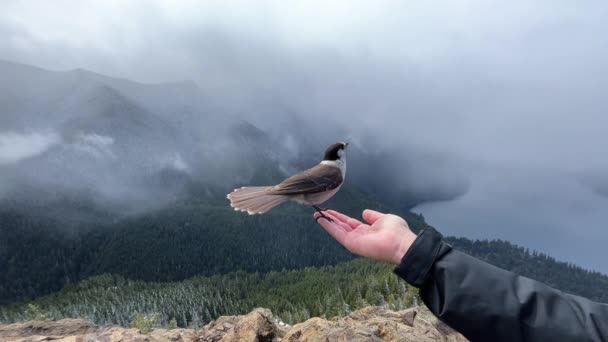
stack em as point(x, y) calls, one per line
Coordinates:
point(420, 257)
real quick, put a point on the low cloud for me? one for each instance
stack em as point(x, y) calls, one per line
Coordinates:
point(175, 162)
point(15, 147)
point(551, 212)
point(95, 145)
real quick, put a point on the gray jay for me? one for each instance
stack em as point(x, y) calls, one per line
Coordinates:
point(310, 187)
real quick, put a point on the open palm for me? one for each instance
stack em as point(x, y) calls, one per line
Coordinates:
point(385, 237)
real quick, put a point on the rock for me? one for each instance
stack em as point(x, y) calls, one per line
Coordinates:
point(367, 324)
point(257, 325)
point(375, 324)
point(64, 327)
point(78, 330)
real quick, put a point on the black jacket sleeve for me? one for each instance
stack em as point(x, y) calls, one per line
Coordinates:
point(486, 303)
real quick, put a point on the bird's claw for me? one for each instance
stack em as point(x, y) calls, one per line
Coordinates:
point(321, 215)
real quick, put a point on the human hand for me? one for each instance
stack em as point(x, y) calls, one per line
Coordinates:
point(387, 237)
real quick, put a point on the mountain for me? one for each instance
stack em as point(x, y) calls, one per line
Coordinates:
point(39, 254)
point(131, 146)
point(95, 165)
point(35, 98)
point(107, 134)
point(102, 175)
point(86, 160)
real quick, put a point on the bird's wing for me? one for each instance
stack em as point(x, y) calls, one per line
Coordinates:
point(317, 179)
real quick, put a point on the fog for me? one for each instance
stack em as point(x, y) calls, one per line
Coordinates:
point(490, 116)
point(15, 147)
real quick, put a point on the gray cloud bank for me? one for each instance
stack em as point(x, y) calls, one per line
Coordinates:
point(502, 103)
point(15, 147)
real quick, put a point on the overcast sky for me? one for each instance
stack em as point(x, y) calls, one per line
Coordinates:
point(513, 91)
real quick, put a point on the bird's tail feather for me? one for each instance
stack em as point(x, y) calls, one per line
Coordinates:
point(255, 199)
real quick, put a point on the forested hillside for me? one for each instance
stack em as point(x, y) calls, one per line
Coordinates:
point(292, 295)
point(562, 275)
point(131, 178)
point(40, 252)
point(186, 240)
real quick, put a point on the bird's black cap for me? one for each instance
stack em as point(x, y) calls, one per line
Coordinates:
point(331, 153)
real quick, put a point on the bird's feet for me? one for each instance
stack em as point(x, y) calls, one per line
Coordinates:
point(320, 211)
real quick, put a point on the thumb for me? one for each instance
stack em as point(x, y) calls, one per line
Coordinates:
point(371, 216)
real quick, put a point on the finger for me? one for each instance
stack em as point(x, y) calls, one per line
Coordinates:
point(332, 229)
point(341, 217)
point(371, 216)
point(353, 223)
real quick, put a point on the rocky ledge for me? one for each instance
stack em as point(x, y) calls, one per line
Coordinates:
point(367, 324)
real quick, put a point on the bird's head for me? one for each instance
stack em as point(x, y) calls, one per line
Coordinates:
point(336, 151)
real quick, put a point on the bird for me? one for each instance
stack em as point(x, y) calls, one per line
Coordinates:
point(309, 187)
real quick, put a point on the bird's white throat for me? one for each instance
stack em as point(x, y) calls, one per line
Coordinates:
point(339, 163)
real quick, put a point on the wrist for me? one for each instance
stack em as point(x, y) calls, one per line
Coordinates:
point(405, 242)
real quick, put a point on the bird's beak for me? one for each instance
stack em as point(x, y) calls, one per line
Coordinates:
point(346, 145)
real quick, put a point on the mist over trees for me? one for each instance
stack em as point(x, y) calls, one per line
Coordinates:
point(133, 146)
point(126, 178)
point(130, 179)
